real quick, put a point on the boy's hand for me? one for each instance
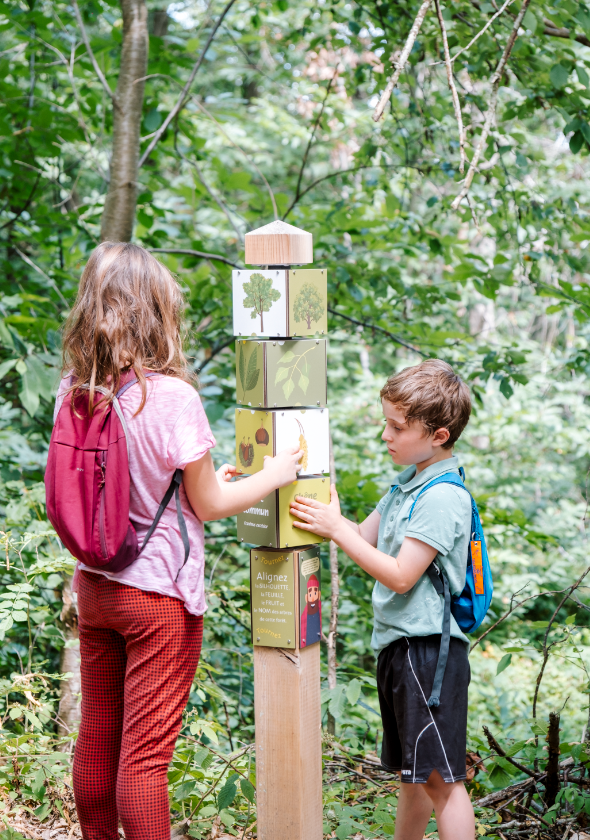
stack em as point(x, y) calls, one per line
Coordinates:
point(285, 465)
point(323, 520)
point(227, 472)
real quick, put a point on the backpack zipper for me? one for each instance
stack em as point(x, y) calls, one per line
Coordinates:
point(101, 533)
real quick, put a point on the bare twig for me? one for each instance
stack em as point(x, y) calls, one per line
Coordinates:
point(495, 746)
point(491, 112)
point(546, 647)
point(188, 252)
point(454, 94)
point(381, 330)
point(401, 62)
point(185, 91)
point(239, 148)
point(41, 272)
point(91, 55)
point(479, 34)
point(316, 125)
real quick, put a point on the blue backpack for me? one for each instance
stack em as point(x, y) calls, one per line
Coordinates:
point(470, 607)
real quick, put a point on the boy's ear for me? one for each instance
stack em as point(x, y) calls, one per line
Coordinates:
point(440, 437)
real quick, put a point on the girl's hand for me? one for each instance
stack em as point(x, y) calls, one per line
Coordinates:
point(285, 465)
point(227, 472)
point(323, 520)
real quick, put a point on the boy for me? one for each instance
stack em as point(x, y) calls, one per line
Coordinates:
point(426, 408)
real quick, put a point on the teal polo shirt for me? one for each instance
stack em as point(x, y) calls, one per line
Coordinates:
point(442, 519)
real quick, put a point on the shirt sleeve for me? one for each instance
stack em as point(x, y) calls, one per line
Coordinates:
point(191, 436)
point(382, 502)
point(61, 392)
point(442, 515)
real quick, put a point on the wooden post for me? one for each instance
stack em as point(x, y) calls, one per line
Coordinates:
point(284, 304)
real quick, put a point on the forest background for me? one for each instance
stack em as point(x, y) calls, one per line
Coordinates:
point(183, 128)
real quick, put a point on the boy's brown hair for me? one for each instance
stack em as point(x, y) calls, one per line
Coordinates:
point(432, 394)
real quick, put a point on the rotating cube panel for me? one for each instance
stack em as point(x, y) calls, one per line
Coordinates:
point(273, 374)
point(270, 523)
point(280, 302)
point(260, 433)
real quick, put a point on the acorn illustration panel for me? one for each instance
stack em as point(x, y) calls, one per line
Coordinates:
point(269, 522)
point(280, 302)
point(262, 432)
point(281, 373)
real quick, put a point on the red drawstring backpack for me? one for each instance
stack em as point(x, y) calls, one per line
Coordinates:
point(87, 484)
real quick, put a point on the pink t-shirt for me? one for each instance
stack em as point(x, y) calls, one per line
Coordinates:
point(170, 432)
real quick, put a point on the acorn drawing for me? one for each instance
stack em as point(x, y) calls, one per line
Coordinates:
point(262, 437)
point(303, 445)
point(246, 453)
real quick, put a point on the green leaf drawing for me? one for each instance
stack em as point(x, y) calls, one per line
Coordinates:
point(288, 388)
point(241, 364)
point(252, 373)
point(290, 364)
point(282, 373)
point(303, 382)
point(308, 305)
point(288, 356)
point(260, 296)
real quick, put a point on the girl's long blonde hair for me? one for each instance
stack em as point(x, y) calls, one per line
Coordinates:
point(127, 316)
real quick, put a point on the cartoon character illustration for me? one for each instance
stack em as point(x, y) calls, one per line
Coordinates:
point(311, 617)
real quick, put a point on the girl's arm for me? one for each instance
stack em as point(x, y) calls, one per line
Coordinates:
point(212, 496)
point(396, 573)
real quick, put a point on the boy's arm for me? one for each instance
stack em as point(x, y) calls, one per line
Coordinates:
point(396, 573)
point(368, 529)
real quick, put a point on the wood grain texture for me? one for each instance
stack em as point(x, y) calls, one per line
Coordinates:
point(288, 743)
point(278, 244)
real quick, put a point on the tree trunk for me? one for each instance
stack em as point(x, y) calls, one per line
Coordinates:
point(119, 210)
point(552, 767)
point(335, 597)
point(69, 701)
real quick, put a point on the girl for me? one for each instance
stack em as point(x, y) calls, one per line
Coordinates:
point(141, 628)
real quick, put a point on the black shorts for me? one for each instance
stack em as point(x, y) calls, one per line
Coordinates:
point(418, 739)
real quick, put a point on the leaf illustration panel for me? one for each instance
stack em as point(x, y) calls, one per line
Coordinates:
point(308, 429)
point(250, 373)
point(296, 372)
point(308, 301)
point(254, 439)
point(259, 302)
point(314, 488)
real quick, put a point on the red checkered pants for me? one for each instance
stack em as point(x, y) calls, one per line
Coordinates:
point(139, 653)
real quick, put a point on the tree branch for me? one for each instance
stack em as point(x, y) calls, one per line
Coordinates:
point(311, 139)
point(188, 252)
point(495, 746)
point(184, 94)
point(91, 55)
point(562, 32)
point(491, 113)
point(479, 34)
point(215, 351)
point(27, 202)
point(381, 330)
point(400, 64)
point(454, 94)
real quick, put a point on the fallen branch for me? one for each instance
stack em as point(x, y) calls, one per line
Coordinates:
point(491, 113)
point(454, 94)
point(400, 64)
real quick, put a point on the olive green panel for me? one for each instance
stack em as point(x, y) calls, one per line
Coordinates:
point(250, 372)
point(296, 373)
point(272, 587)
point(258, 524)
point(315, 488)
point(254, 439)
point(308, 301)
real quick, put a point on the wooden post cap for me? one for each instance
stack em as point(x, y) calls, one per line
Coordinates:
point(279, 244)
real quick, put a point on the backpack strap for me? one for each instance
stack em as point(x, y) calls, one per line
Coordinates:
point(441, 585)
point(174, 488)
